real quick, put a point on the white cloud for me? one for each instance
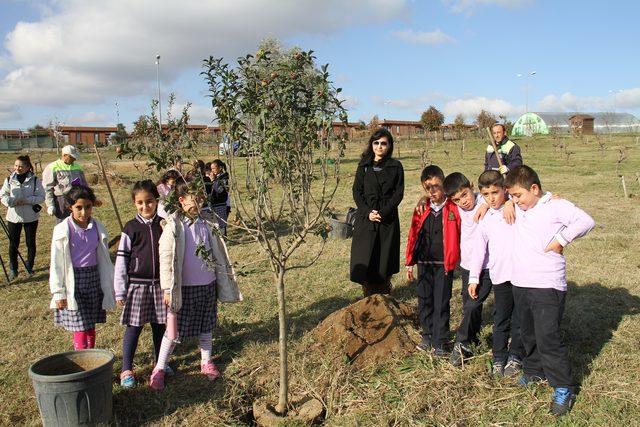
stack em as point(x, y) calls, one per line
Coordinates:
point(459, 6)
point(470, 107)
point(88, 118)
point(350, 102)
point(84, 52)
point(622, 99)
point(421, 37)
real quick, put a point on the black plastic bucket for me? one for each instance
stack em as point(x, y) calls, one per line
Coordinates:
point(340, 228)
point(74, 388)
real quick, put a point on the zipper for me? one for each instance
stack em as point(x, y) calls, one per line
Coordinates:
point(153, 253)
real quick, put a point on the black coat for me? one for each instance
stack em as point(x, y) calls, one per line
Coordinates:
point(375, 248)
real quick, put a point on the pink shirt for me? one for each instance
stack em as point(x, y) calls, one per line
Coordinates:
point(493, 239)
point(468, 229)
point(194, 270)
point(83, 244)
point(549, 219)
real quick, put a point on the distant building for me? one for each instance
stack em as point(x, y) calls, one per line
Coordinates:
point(402, 127)
point(87, 135)
point(603, 122)
point(582, 124)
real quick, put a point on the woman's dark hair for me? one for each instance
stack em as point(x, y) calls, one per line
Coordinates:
point(368, 154)
point(207, 167)
point(455, 182)
point(170, 174)
point(220, 164)
point(145, 185)
point(27, 160)
point(78, 192)
point(181, 189)
point(489, 178)
point(431, 171)
point(199, 166)
point(522, 176)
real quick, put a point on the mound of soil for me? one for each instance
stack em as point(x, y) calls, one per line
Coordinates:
point(369, 331)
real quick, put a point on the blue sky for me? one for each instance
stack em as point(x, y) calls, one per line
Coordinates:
point(70, 61)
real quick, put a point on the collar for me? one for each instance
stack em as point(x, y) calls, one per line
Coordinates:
point(437, 208)
point(76, 227)
point(503, 141)
point(547, 196)
point(144, 220)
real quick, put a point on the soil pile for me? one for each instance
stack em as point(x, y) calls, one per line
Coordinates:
point(369, 331)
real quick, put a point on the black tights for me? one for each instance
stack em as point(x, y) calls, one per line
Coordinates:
point(15, 228)
point(130, 343)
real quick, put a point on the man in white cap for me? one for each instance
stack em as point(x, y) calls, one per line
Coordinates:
point(58, 177)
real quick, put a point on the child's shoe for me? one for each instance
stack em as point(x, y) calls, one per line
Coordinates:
point(127, 380)
point(513, 367)
point(440, 351)
point(527, 380)
point(168, 372)
point(459, 353)
point(12, 275)
point(497, 370)
point(563, 400)
point(425, 344)
point(210, 370)
point(157, 380)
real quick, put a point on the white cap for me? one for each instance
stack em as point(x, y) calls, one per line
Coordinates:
point(71, 150)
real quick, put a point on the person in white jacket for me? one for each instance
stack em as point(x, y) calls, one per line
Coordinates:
point(81, 272)
point(22, 192)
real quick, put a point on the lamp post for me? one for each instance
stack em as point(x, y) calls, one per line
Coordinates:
point(526, 89)
point(159, 99)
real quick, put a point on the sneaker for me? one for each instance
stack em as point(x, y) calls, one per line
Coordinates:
point(210, 370)
point(459, 353)
point(527, 380)
point(440, 351)
point(425, 344)
point(168, 372)
point(563, 400)
point(497, 370)
point(513, 367)
point(12, 275)
point(157, 380)
point(127, 380)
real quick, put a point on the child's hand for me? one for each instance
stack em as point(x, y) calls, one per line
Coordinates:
point(374, 216)
point(410, 277)
point(554, 246)
point(167, 299)
point(509, 212)
point(481, 212)
point(61, 304)
point(473, 290)
point(421, 206)
point(120, 303)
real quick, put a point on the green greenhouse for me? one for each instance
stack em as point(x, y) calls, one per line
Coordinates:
point(530, 124)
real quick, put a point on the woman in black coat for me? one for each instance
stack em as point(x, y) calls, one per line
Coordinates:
point(377, 190)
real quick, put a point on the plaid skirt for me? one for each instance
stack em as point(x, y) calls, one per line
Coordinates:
point(221, 215)
point(199, 311)
point(88, 296)
point(143, 305)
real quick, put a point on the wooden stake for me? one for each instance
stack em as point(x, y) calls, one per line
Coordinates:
point(495, 148)
point(624, 186)
point(106, 181)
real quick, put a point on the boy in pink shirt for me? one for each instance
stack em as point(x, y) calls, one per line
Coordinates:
point(460, 191)
point(544, 226)
point(495, 239)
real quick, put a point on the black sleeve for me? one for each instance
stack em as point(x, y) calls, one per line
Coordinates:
point(358, 192)
point(398, 194)
point(514, 158)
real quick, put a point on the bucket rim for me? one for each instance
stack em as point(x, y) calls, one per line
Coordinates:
point(75, 376)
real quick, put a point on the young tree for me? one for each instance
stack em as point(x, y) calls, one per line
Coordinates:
point(280, 107)
point(120, 136)
point(485, 119)
point(432, 118)
point(458, 124)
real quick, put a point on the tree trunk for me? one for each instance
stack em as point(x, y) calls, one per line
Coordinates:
point(282, 340)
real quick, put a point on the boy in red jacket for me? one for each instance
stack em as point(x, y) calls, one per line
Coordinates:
point(434, 245)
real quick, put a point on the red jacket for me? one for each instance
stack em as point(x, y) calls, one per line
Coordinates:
point(450, 234)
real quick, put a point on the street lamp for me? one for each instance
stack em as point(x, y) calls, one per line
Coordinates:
point(159, 99)
point(526, 89)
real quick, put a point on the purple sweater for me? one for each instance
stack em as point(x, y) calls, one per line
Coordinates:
point(194, 270)
point(493, 239)
point(535, 228)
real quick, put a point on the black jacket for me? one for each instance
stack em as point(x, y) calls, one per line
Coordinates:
point(219, 190)
point(375, 249)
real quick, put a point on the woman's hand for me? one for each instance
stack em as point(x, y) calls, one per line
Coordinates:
point(167, 299)
point(120, 303)
point(374, 216)
point(61, 304)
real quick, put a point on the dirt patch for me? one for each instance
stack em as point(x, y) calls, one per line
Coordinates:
point(369, 331)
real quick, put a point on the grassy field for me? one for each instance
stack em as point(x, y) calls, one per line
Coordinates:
point(601, 323)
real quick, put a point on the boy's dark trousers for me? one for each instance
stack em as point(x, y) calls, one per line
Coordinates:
point(505, 324)
point(472, 308)
point(434, 296)
point(545, 355)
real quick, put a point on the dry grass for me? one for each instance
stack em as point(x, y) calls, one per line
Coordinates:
point(601, 323)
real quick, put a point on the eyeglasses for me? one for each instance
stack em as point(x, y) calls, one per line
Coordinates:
point(380, 142)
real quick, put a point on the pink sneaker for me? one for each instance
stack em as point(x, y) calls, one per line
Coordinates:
point(210, 370)
point(157, 380)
